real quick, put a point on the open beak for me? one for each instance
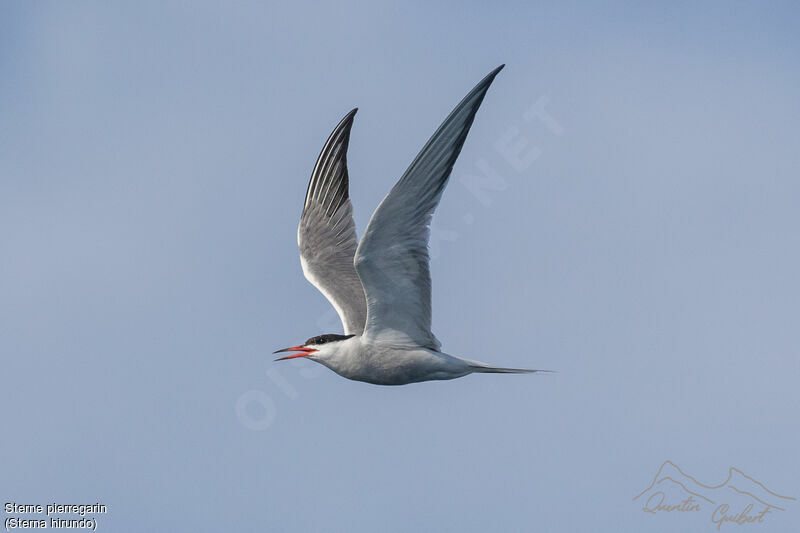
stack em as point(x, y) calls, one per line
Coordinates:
point(305, 352)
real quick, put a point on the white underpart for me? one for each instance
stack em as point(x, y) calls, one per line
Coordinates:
point(321, 288)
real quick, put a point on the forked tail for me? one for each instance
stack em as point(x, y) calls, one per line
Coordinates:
point(486, 369)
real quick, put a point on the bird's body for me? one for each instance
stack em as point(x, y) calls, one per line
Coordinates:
point(360, 360)
point(381, 286)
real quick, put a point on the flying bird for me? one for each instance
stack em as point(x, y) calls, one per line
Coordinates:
point(381, 286)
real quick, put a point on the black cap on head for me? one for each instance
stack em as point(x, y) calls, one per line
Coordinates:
point(330, 337)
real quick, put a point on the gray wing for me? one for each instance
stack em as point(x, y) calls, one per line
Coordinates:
point(392, 258)
point(327, 233)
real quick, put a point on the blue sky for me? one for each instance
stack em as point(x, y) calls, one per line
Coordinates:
point(624, 212)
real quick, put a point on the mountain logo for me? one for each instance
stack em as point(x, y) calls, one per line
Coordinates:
point(738, 500)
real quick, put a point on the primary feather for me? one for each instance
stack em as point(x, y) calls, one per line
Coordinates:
point(392, 258)
point(327, 233)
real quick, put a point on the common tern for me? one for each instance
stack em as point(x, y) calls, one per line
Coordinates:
point(381, 286)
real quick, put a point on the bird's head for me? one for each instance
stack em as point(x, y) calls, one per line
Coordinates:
point(315, 347)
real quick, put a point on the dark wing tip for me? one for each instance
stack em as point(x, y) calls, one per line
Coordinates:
point(487, 80)
point(344, 125)
point(439, 154)
point(329, 182)
point(483, 85)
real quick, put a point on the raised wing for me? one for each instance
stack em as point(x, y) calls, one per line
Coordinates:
point(392, 258)
point(327, 233)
